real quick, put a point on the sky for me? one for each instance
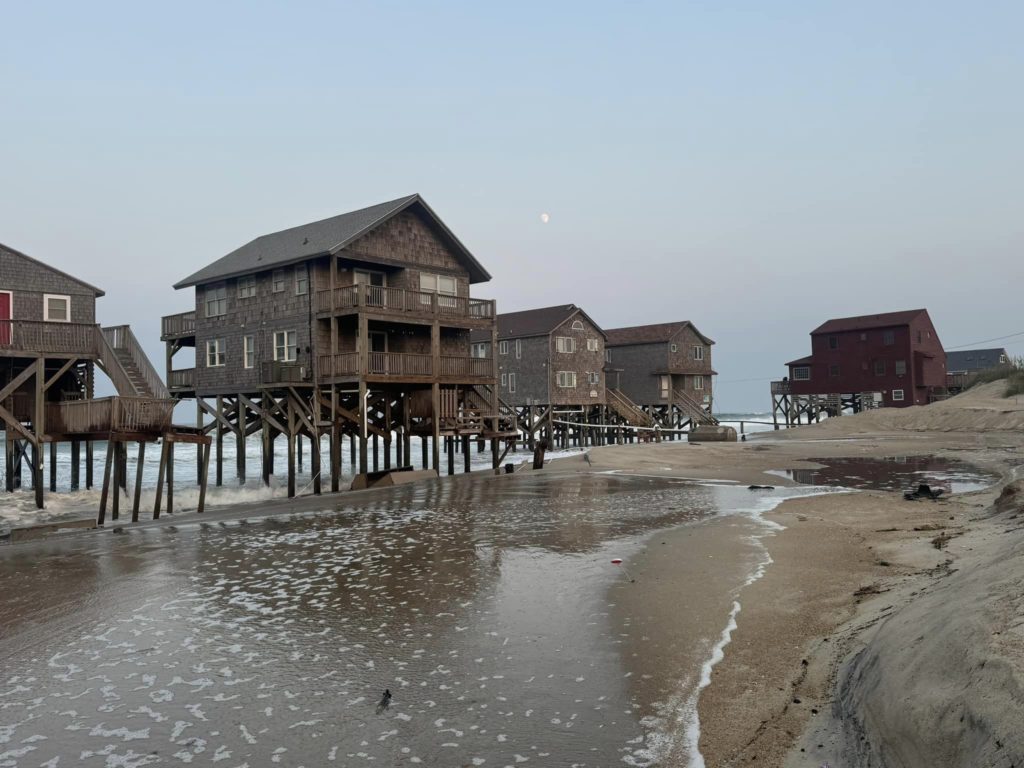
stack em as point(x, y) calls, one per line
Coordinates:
point(753, 167)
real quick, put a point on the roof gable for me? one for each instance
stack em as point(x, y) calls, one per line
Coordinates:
point(18, 254)
point(538, 322)
point(651, 334)
point(326, 237)
point(866, 322)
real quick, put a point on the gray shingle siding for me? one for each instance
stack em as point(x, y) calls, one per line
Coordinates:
point(29, 280)
point(638, 363)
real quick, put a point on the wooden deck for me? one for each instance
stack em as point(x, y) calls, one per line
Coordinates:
point(396, 366)
point(35, 337)
point(404, 305)
point(106, 415)
point(179, 326)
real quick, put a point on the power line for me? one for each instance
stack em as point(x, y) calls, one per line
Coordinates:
point(986, 341)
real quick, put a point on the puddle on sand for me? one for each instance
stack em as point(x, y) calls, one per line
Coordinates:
point(894, 473)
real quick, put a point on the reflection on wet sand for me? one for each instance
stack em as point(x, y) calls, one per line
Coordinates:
point(896, 473)
point(481, 606)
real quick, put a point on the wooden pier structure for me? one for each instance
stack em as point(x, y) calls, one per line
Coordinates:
point(355, 328)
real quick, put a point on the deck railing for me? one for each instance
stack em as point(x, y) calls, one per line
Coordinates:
point(109, 414)
point(181, 324)
point(122, 340)
point(183, 378)
point(279, 372)
point(41, 336)
point(402, 365)
point(402, 301)
point(781, 388)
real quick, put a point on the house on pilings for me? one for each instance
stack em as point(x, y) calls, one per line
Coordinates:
point(50, 348)
point(664, 370)
point(355, 325)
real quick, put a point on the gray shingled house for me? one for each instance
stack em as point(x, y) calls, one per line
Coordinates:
point(357, 324)
point(964, 363)
point(664, 368)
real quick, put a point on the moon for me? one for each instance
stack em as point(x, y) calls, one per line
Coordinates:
point(545, 217)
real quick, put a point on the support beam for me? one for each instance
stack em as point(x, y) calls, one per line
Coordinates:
point(139, 462)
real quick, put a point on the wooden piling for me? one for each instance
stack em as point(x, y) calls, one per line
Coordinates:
point(138, 481)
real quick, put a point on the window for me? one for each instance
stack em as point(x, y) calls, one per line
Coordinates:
point(666, 384)
point(698, 382)
point(248, 351)
point(247, 287)
point(577, 325)
point(801, 373)
point(479, 349)
point(277, 280)
point(833, 371)
point(901, 367)
point(897, 395)
point(675, 347)
point(511, 382)
point(594, 378)
point(56, 309)
point(216, 301)
point(879, 367)
point(443, 285)
point(215, 353)
point(607, 355)
point(863, 337)
point(502, 347)
point(1002, 359)
point(918, 337)
point(284, 346)
point(698, 353)
point(833, 342)
point(504, 380)
point(567, 379)
point(565, 344)
point(888, 338)
point(519, 348)
point(301, 280)
point(593, 345)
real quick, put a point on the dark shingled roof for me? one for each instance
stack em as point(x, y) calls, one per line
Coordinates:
point(93, 288)
point(802, 361)
point(321, 238)
point(971, 360)
point(532, 322)
point(864, 322)
point(650, 334)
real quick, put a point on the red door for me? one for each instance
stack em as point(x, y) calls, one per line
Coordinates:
point(5, 319)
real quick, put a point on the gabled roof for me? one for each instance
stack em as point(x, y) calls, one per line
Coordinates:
point(44, 265)
point(651, 334)
point(802, 361)
point(325, 237)
point(535, 322)
point(975, 360)
point(865, 322)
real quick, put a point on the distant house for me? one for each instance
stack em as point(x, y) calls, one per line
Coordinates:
point(664, 368)
point(963, 364)
point(548, 356)
point(894, 355)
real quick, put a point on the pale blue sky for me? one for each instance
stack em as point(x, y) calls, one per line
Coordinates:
point(753, 167)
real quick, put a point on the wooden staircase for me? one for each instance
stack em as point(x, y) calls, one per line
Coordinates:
point(693, 409)
point(121, 357)
point(629, 411)
point(479, 399)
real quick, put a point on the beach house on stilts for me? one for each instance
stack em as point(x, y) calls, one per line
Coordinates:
point(354, 326)
point(50, 348)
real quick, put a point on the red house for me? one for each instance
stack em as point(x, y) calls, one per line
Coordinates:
point(896, 354)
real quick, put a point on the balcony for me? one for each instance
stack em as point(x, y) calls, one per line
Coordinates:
point(182, 380)
point(781, 388)
point(179, 326)
point(393, 366)
point(39, 337)
point(143, 415)
point(402, 303)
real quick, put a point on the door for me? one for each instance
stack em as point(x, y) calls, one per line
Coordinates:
point(375, 286)
point(5, 318)
point(378, 352)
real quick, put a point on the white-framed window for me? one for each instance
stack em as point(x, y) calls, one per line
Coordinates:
point(504, 380)
point(674, 347)
point(577, 325)
point(565, 344)
point(897, 395)
point(511, 382)
point(519, 349)
point(444, 286)
point(216, 301)
point(277, 280)
point(56, 308)
point(698, 382)
point(594, 378)
point(247, 286)
point(479, 349)
point(1002, 359)
point(284, 346)
point(567, 379)
point(607, 355)
point(215, 353)
point(248, 351)
point(698, 352)
point(593, 345)
point(301, 280)
point(666, 386)
point(801, 373)
point(901, 367)
point(503, 347)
